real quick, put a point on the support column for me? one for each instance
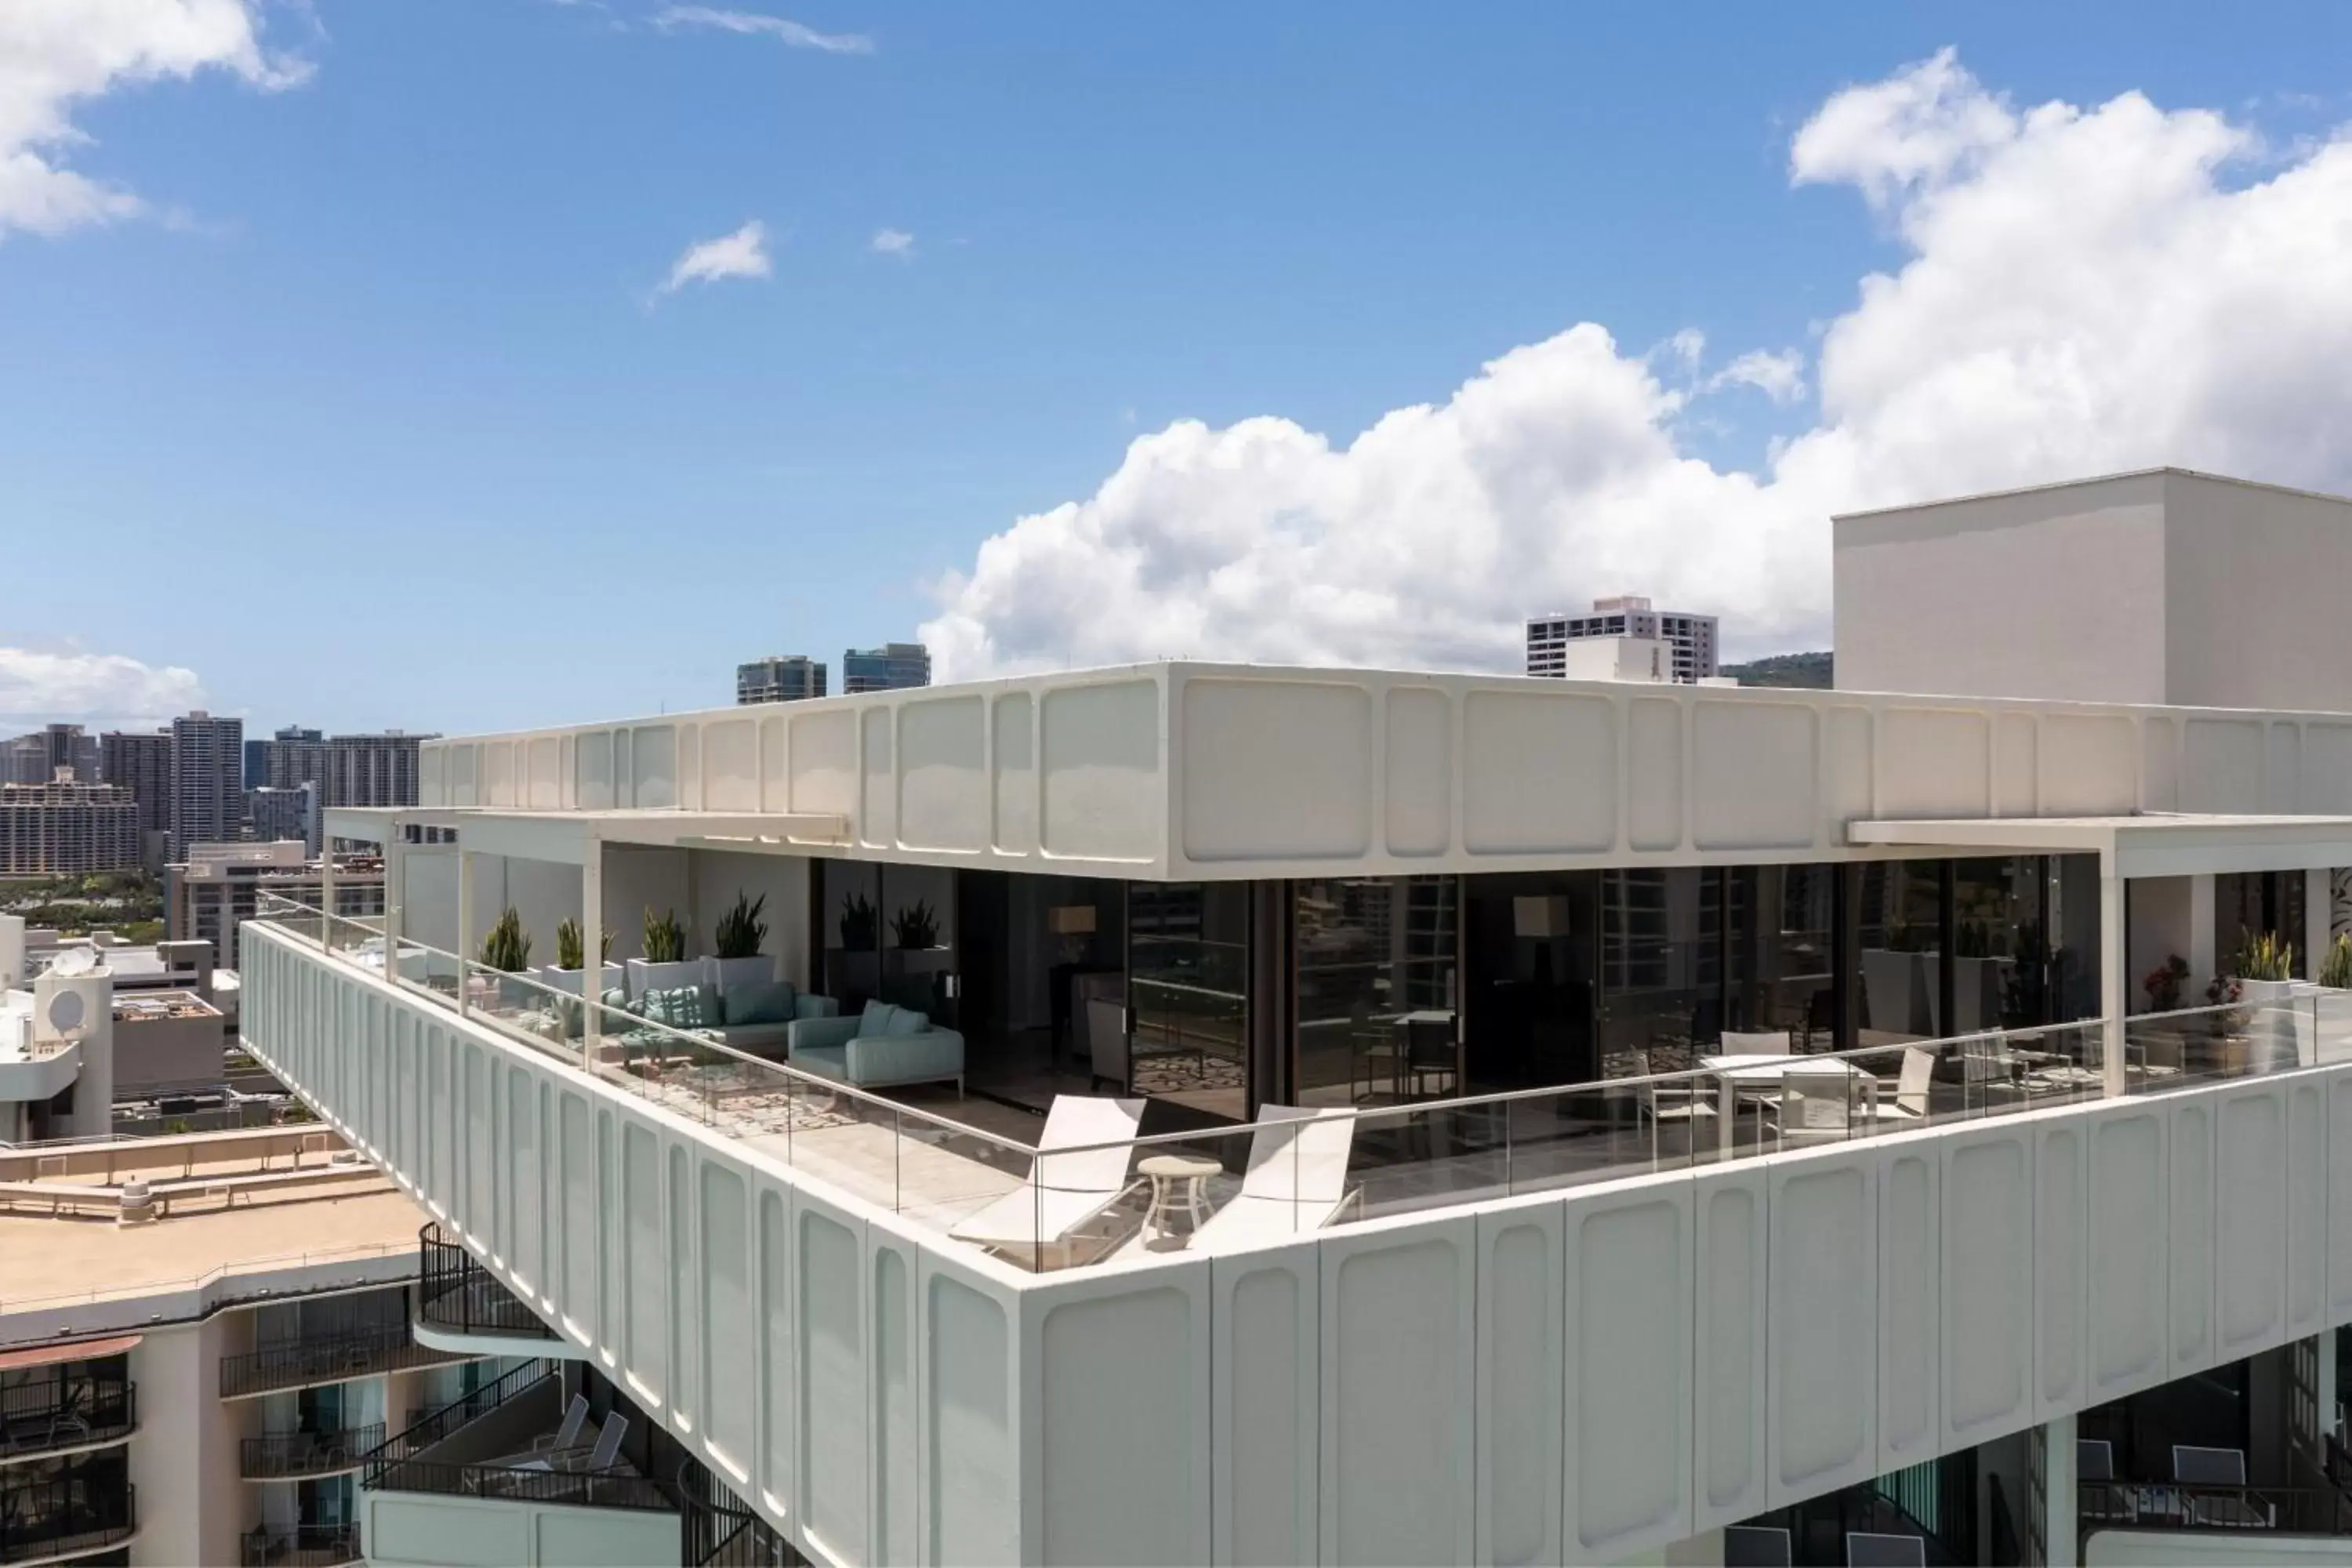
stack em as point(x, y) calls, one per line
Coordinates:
point(465, 919)
point(2061, 1496)
point(395, 889)
point(2204, 962)
point(2319, 901)
point(591, 943)
point(326, 893)
point(2326, 1390)
point(2115, 967)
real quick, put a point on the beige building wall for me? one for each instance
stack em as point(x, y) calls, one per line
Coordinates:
point(2053, 593)
point(192, 1505)
point(2159, 588)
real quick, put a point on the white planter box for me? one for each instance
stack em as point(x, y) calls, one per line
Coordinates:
point(645, 976)
point(568, 980)
point(2282, 1026)
point(730, 973)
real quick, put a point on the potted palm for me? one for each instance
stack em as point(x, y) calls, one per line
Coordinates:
point(737, 940)
point(665, 965)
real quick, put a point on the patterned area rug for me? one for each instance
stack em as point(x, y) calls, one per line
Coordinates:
point(1185, 1075)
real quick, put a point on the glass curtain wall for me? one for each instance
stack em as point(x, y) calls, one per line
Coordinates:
point(1690, 952)
point(1188, 996)
point(1531, 960)
point(1378, 1017)
point(1901, 915)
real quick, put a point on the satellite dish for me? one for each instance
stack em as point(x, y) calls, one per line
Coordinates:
point(67, 1013)
point(73, 962)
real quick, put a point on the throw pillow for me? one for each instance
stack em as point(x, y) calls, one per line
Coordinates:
point(760, 1002)
point(874, 1022)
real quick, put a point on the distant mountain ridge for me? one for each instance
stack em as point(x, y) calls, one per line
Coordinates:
point(1813, 671)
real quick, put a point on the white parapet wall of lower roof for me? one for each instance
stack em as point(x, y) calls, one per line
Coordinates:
point(1181, 771)
point(1579, 1375)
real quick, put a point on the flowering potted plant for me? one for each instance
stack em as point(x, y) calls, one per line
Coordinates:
point(2163, 985)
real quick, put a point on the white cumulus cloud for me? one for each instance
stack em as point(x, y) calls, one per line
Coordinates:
point(791, 34)
point(41, 688)
point(892, 242)
point(2082, 289)
point(744, 254)
point(56, 54)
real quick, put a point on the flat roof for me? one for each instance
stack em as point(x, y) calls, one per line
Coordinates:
point(2150, 844)
point(61, 1256)
point(2084, 481)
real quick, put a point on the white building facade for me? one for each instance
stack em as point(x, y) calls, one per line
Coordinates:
point(1734, 1111)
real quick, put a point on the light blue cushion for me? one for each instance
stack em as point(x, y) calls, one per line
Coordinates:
point(905, 1021)
point(874, 1022)
point(682, 1007)
point(761, 1002)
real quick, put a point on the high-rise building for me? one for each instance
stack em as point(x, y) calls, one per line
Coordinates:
point(67, 829)
point(207, 799)
point(218, 887)
point(140, 763)
point(785, 677)
point(199, 1338)
point(1691, 637)
point(37, 757)
point(24, 759)
point(350, 770)
point(893, 666)
point(371, 770)
point(258, 756)
point(277, 815)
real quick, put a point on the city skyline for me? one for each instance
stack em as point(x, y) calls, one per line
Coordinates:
point(908, 388)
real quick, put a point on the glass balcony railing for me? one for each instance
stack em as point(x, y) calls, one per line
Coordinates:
point(42, 1519)
point(326, 1358)
point(1093, 1192)
point(456, 1294)
point(2201, 1506)
point(280, 1455)
point(299, 1546)
point(79, 1412)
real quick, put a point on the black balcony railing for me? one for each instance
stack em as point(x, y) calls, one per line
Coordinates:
point(42, 1519)
point(303, 1546)
point(433, 1427)
point(397, 1467)
point(280, 1455)
point(719, 1529)
point(2177, 1505)
point(456, 1293)
point(558, 1488)
point(78, 1413)
point(326, 1358)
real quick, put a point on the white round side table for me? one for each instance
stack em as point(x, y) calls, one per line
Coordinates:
point(1176, 1184)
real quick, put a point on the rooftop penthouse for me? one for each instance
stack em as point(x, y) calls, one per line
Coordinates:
point(1141, 1114)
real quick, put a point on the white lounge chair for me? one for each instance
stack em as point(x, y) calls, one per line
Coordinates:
point(550, 1446)
point(608, 1452)
point(1296, 1179)
point(1065, 1192)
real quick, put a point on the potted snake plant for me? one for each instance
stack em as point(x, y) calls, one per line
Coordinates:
point(736, 942)
point(570, 943)
point(665, 966)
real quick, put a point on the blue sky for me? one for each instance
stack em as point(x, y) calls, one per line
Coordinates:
point(376, 415)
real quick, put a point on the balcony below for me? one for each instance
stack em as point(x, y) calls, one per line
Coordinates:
point(55, 1520)
point(464, 1309)
point(292, 1456)
point(511, 1463)
point(332, 1358)
point(302, 1546)
point(66, 1414)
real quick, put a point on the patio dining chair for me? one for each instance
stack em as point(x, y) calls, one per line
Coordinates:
point(1869, 1549)
point(1756, 1546)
